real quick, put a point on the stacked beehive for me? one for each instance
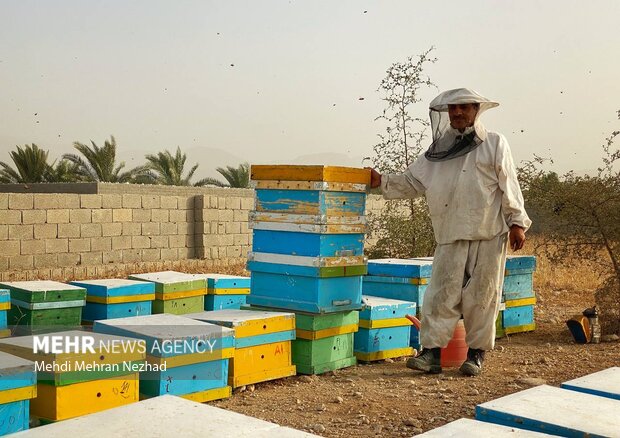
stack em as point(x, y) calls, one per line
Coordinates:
point(384, 329)
point(37, 305)
point(78, 381)
point(262, 343)
point(175, 292)
point(18, 385)
point(5, 305)
point(185, 357)
point(307, 255)
point(518, 297)
point(225, 291)
point(116, 298)
point(400, 279)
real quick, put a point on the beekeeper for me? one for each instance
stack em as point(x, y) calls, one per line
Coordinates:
point(476, 207)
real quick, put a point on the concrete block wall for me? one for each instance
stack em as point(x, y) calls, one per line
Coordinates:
point(126, 227)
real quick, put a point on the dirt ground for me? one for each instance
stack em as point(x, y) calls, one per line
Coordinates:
point(387, 398)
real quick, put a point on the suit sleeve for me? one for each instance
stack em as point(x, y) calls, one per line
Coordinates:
point(513, 207)
point(406, 185)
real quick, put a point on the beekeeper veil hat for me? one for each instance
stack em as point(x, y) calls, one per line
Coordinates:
point(449, 143)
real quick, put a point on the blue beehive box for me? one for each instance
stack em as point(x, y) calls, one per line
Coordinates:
point(5, 305)
point(384, 330)
point(195, 353)
point(18, 385)
point(408, 268)
point(308, 244)
point(225, 291)
point(605, 383)
point(116, 298)
point(311, 202)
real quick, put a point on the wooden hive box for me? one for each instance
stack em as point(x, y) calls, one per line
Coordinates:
point(187, 358)
point(555, 411)
point(5, 306)
point(38, 304)
point(310, 203)
point(75, 380)
point(405, 268)
point(384, 329)
point(18, 385)
point(320, 267)
point(308, 244)
point(116, 298)
point(466, 427)
point(225, 291)
point(165, 416)
point(262, 343)
point(315, 173)
point(605, 383)
point(175, 292)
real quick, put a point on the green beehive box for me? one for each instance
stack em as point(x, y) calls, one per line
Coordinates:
point(321, 355)
point(179, 306)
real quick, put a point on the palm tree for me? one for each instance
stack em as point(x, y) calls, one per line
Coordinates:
point(99, 163)
point(235, 176)
point(64, 171)
point(30, 166)
point(168, 169)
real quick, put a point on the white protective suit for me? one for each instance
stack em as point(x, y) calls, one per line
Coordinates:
point(473, 200)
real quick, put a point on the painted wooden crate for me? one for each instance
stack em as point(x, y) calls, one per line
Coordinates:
point(185, 357)
point(397, 288)
point(306, 219)
point(305, 294)
point(165, 416)
point(225, 291)
point(38, 304)
point(175, 292)
point(308, 228)
point(79, 380)
point(605, 383)
point(116, 298)
point(525, 264)
point(308, 244)
point(465, 427)
point(406, 268)
point(18, 385)
point(554, 411)
point(262, 343)
point(319, 173)
point(310, 202)
point(384, 329)
point(322, 267)
point(5, 306)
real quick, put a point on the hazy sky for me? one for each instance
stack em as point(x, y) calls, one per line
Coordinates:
point(256, 81)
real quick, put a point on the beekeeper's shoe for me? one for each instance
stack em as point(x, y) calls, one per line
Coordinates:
point(473, 365)
point(428, 361)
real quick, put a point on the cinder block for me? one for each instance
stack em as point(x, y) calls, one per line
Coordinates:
point(132, 201)
point(4, 232)
point(131, 255)
point(220, 227)
point(113, 229)
point(102, 215)
point(186, 253)
point(122, 215)
point(225, 215)
point(80, 216)
point(90, 201)
point(233, 203)
point(233, 252)
point(177, 216)
point(226, 239)
point(79, 245)
point(159, 242)
point(45, 261)
point(10, 248)
point(190, 240)
point(19, 232)
point(151, 255)
point(185, 228)
point(151, 229)
point(90, 230)
point(33, 217)
point(69, 259)
point(113, 256)
point(101, 244)
point(46, 201)
point(233, 227)
point(240, 239)
point(221, 253)
point(169, 202)
point(177, 241)
point(221, 202)
point(121, 242)
point(21, 262)
point(4, 262)
point(212, 202)
point(58, 216)
point(151, 201)
point(158, 215)
point(4, 201)
point(247, 203)
point(244, 228)
point(141, 214)
point(19, 201)
point(131, 229)
point(190, 215)
point(29, 247)
point(240, 215)
point(139, 242)
point(170, 254)
point(185, 202)
point(68, 200)
point(200, 200)
point(45, 231)
point(111, 201)
point(68, 230)
point(168, 228)
point(91, 258)
point(53, 246)
point(12, 217)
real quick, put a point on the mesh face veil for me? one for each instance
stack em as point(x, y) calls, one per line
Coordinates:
point(449, 143)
